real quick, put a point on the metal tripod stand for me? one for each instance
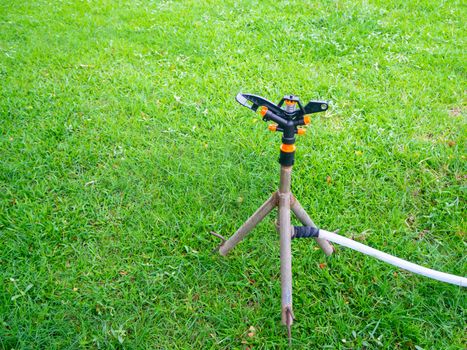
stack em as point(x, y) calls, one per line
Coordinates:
point(288, 119)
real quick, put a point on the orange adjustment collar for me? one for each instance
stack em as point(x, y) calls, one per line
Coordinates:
point(287, 148)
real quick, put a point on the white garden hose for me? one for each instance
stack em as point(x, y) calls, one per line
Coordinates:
point(403, 264)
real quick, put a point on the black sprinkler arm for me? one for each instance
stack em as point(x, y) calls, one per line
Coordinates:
point(253, 102)
point(287, 117)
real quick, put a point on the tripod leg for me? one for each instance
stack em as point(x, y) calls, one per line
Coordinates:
point(285, 247)
point(305, 219)
point(249, 225)
point(286, 258)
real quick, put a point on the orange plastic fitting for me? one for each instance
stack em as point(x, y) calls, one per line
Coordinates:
point(307, 119)
point(263, 111)
point(301, 131)
point(272, 127)
point(287, 148)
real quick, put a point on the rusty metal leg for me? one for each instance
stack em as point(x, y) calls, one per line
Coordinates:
point(305, 219)
point(249, 225)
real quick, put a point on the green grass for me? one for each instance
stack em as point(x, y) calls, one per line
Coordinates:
point(121, 147)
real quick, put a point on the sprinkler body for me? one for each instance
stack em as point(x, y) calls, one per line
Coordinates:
point(288, 119)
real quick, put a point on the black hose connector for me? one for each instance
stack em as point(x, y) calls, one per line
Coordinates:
point(287, 158)
point(305, 232)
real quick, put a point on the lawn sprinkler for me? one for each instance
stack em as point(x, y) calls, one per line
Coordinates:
point(288, 116)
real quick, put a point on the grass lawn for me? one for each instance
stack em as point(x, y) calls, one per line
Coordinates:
point(122, 147)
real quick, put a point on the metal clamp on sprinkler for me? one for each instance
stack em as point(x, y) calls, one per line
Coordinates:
point(287, 119)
